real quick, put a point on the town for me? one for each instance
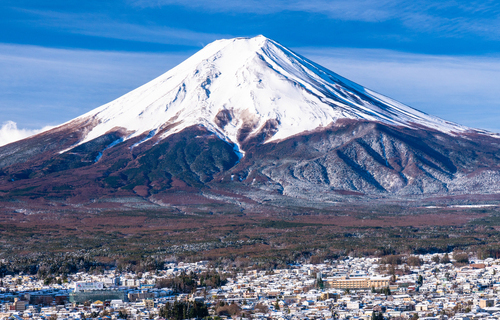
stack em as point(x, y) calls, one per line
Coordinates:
point(437, 286)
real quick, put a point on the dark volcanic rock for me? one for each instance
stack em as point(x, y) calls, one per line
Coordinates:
point(345, 159)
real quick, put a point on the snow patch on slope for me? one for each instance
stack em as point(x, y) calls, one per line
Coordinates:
point(111, 145)
point(149, 136)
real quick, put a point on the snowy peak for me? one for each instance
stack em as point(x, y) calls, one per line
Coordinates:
point(331, 138)
point(239, 87)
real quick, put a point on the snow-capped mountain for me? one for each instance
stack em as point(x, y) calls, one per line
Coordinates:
point(248, 114)
point(239, 85)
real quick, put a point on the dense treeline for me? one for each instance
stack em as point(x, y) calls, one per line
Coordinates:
point(188, 282)
point(228, 309)
point(46, 265)
point(184, 310)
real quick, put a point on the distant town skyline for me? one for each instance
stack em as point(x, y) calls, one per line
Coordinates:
point(60, 59)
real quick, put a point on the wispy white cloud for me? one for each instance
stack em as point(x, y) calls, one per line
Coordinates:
point(102, 25)
point(9, 132)
point(450, 17)
point(364, 10)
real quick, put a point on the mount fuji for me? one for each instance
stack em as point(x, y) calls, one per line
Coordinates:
point(247, 118)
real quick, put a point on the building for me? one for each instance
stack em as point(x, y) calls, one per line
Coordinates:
point(93, 295)
point(84, 286)
point(357, 283)
point(18, 305)
point(485, 303)
point(149, 303)
point(135, 296)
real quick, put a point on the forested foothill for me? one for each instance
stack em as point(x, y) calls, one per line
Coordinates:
point(67, 240)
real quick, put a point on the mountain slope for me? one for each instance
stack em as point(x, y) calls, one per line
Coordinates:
point(373, 158)
point(252, 117)
point(236, 87)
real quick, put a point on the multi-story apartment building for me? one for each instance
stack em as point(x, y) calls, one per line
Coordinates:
point(357, 283)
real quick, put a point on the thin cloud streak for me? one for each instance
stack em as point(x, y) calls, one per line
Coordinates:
point(451, 18)
point(101, 25)
point(364, 10)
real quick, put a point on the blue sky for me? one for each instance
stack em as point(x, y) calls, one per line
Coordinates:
point(61, 58)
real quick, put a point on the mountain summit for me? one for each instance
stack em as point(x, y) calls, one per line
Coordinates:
point(247, 118)
point(237, 87)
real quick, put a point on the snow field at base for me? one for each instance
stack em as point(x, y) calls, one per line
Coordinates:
point(256, 80)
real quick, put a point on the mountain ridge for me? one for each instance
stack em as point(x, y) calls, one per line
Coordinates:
point(249, 117)
point(250, 83)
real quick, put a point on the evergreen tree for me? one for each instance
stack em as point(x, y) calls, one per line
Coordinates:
point(184, 310)
point(446, 259)
point(420, 280)
point(377, 316)
point(320, 283)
